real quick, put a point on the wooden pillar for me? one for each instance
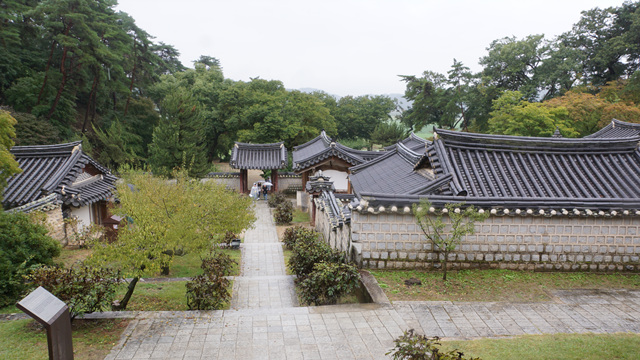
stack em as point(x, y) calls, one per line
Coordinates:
point(313, 210)
point(244, 177)
point(274, 179)
point(305, 178)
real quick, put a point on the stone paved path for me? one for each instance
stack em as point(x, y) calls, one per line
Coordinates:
point(264, 322)
point(263, 280)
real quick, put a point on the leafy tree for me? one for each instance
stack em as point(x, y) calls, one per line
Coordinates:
point(359, 116)
point(446, 234)
point(8, 164)
point(588, 112)
point(162, 216)
point(388, 133)
point(328, 282)
point(514, 116)
point(178, 141)
point(33, 131)
point(23, 245)
point(119, 146)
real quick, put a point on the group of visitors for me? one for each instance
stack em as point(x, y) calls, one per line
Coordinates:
point(258, 189)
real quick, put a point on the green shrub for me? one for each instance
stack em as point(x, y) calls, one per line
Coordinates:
point(328, 282)
point(23, 245)
point(210, 291)
point(84, 289)
point(309, 251)
point(276, 199)
point(412, 346)
point(292, 234)
point(284, 213)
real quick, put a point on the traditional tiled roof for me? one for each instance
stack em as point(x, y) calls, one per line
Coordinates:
point(56, 169)
point(258, 156)
point(337, 214)
point(517, 173)
point(414, 143)
point(617, 129)
point(322, 147)
point(391, 173)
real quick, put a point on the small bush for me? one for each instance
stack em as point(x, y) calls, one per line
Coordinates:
point(309, 251)
point(276, 199)
point(210, 291)
point(284, 213)
point(23, 245)
point(230, 235)
point(328, 282)
point(412, 346)
point(84, 289)
point(292, 234)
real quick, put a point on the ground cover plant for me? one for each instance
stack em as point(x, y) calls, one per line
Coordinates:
point(551, 347)
point(493, 285)
point(157, 296)
point(27, 340)
point(414, 346)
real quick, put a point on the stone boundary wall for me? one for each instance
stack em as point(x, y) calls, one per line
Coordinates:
point(230, 180)
point(289, 182)
point(539, 243)
point(338, 238)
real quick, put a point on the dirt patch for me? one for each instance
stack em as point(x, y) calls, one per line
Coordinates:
point(71, 256)
point(282, 228)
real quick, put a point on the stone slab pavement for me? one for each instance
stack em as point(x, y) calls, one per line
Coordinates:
point(265, 322)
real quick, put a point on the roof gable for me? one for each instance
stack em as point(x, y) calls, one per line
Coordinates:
point(617, 129)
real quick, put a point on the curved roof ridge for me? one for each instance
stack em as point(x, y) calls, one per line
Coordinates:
point(409, 155)
point(510, 142)
point(47, 149)
point(385, 155)
point(323, 137)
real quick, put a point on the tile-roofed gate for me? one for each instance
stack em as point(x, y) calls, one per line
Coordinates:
point(258, 157)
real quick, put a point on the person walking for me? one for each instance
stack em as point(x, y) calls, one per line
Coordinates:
point(265, 190)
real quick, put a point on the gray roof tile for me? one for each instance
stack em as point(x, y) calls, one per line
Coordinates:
point(258, 156)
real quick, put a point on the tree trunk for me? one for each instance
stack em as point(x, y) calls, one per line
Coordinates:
point(46, 71)
point(444, 266)
point(91, 95)
point(65, 73)
point(125, 300)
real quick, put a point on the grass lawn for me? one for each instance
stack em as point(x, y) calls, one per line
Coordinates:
point(189, 265)
point(300, 216)
point(160, 296)
point(92, 339)
point(493, 285)
point(557, 346)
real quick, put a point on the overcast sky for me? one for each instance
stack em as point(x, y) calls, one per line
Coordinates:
point(347, 47)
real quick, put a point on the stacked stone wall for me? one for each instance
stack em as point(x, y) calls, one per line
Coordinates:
point(390, 240)
point(230, 180)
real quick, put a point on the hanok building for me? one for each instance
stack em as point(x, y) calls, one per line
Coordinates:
point(554, 203)
point(334, 159)
point(258, 157)
point(412, 142)
point(61, 180)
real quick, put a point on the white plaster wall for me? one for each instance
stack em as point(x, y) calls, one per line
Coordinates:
point(83, 214)
point(339, 178)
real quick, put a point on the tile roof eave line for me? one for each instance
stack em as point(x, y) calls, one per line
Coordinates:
point(501, 202)
point(57, 149)
point(432, 185)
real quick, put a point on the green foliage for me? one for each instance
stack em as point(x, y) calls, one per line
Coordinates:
point(23, 245)
point(293, 234)
point(33, 131)
point(8, 164)
point(83, 288)
point(276, 199)
point(413, 346)
point(512, 115)
point(178, 141)
point(359, 116)
point(283, 213)
point(119, 145)
point(210, 291)
point(309, 250)
point(328, 282)
point(163, 215)
point(357, 143)
point(388, 133)
point(447, 235)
